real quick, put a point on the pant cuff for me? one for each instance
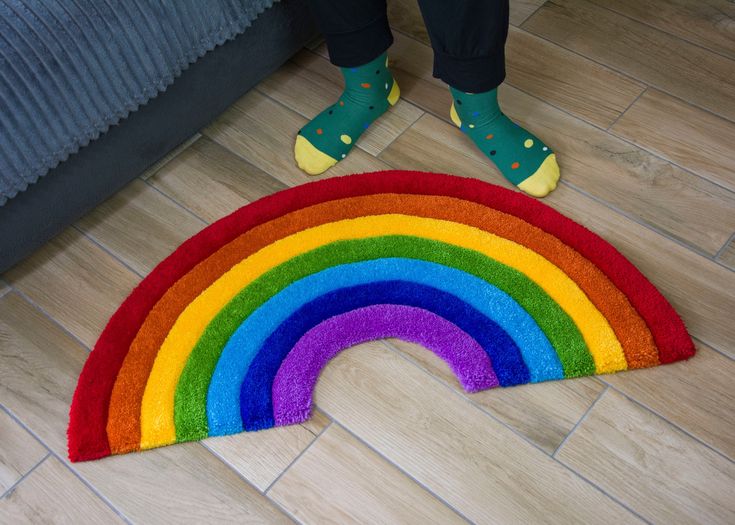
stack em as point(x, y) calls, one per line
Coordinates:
point(356, 48)
point(471, 75)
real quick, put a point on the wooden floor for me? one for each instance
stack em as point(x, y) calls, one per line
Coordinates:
point(638, 99)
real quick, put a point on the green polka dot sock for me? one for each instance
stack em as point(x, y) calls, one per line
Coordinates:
point(519, 155)
point(369, 91)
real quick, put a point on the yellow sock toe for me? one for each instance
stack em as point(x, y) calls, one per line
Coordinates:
point(310, 159)
point(544, 180)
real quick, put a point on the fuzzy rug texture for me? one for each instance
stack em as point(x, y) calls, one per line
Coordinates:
point(231, 331)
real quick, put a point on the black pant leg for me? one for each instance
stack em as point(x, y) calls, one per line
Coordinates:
point(356, 31)
point(468, 37)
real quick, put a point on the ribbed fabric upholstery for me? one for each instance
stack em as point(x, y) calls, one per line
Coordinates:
point(70, 69)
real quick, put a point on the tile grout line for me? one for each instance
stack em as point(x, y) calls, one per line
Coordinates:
point(298, 456)
point(661, 156)
point(105, 249)
point(401, 355)
point(176, 151)
point(441, 381)
point(568, 113)
point(398, 467)
point(600, 378)
point(724, 247)
point(689, 248)
point(357, 143)
point(678, 37)
point(602, 491)
point(627, 141)
point(628, 75)
point(463, 397)
point(581, 420)
point(245, 159)
point(176, 203)
point(654, 229)
point(247, 481)
point(622, 113)
point(645, 85)
point(69, 467)
point(536, 10)
point(119, 258)
point(404, 130)
point(514, 431)
point(715, 349)
point(17, 483)
point(596, 126)
point(674, 425)
point(51, 318)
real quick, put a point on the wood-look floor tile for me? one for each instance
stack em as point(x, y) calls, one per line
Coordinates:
point(645, 462)
point(727, 255)
point(520, 10)
point(643, 185)
point(562, 78)
point(317, 422)
point(183, 483)
point(673, 200)
point(405, 16)
point(566, 80)
point(709, 23)
point(362, 487)
point(704, 297)
point(697, 395)
point(451, 447)
point(52, 494)
point(659, 59)
point(545, 412)
point(211, 181)
point(39, 367)
point(170, 156)
point(626, 176)
point(263, 132)
point(4, 287)
point(682, 133)
point(260, 457)
point(433, 145)
point(140, 226)
point(309, 83)
point(19, 451)
point(76, 282)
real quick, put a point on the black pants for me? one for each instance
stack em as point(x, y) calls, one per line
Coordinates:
point(468, 37)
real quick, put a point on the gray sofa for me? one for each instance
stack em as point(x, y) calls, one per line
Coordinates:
point(104, 165)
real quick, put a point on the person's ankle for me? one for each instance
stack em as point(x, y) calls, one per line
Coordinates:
point(370, 90)
point(519, 155)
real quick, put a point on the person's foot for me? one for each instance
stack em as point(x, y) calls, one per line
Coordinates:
point(519, 155)
point(369, 91)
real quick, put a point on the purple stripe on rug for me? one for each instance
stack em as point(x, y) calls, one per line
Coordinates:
point(297, 376)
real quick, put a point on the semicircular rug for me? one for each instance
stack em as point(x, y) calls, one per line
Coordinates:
point(230, 332)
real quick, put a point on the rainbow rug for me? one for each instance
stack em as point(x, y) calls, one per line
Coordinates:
point(231, 331)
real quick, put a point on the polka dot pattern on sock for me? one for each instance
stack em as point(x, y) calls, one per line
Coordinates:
point(331, 134)
point(516, 152)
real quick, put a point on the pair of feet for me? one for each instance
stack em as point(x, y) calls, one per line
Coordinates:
point(370, 90)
